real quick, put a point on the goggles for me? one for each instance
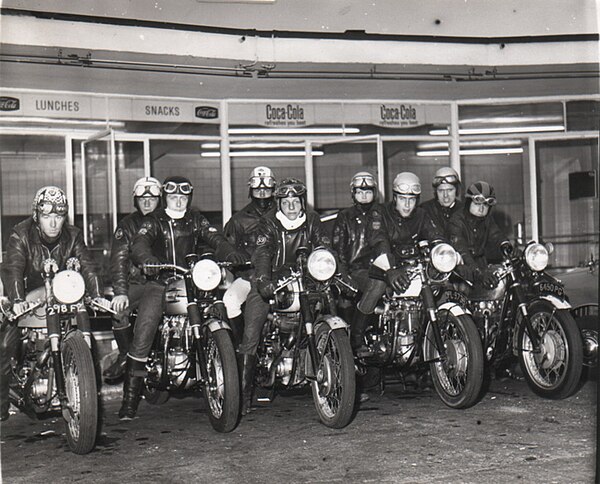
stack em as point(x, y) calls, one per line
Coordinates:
point(491, 201)
point(290, 191)
point(46, 208)
point(365, 182)
point(261, 182)
point(183, 188)
point(406, 189)
point(147, 190)
point(449, 179)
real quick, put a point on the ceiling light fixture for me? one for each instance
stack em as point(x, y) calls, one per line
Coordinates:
point(258, 154)
point(507, 130)
point(484, 151)
point(244, 146)
point(293, 130)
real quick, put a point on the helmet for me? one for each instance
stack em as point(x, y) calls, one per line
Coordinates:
point(481, 192)
point(261, 177)
point(147, 186)
point(446, 175)
point(291, 187)
point(406, 183)
point(363, 179)
point(49, 199)
point(179, 185)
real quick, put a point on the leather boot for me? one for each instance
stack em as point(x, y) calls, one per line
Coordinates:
point(123, 337)
point(237, 330)
point(357, 332)
point(248, 367)
point(132, 388)
point(4, 401)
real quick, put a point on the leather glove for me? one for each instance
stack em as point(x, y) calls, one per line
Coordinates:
point(266, 288)
point(237, 258)
point(120, 303)
point(218, 311)
point(465, 272)
point(151, 271)
point(489, 279)
point(398, 279)
point(507, 249)
point(5, 307)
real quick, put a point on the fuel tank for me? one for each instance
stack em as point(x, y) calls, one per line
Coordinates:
point(176, 298)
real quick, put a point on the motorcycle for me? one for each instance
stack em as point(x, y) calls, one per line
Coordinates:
point(428, 325)
point(54, 368)
point(304, 342)
point(527, 315)
point(193, 348)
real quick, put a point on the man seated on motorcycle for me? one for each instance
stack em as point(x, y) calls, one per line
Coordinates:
point(44, 235)
point(166, 235)
point(473, 232)
point(128, 281)
point(240, 230)
point(445, 202)
point(404, 224)
point(280, 234)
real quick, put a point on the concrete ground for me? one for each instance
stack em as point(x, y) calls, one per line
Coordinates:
point(403, 436)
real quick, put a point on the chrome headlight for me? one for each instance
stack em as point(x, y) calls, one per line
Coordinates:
point(68, 287)
point(321, 264)
point(444, 258)
point(536, 256)
point(206, 274)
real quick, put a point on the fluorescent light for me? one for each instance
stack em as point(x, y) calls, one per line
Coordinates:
point(245, 146)
point(258, 154)
point(293, 130)
point(21, 119)
point(483, 151)
point(507, 130)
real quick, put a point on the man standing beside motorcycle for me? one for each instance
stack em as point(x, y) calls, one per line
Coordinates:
point(280, 234)
point(128, 281)
point(403, 225)
point(240, 230)
point(445, 202)
point(166, 235)
point(45, 235)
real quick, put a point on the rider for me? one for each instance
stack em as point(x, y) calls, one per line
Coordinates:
point(42, 236)
point(128, 280)
point(403, 224)
point(280, 234)
point(445, 202)
point(166, 235)
point(473, 232)
point(240, 230)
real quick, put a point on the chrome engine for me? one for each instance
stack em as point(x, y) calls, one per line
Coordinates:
point(486, 314)
point(279, 351)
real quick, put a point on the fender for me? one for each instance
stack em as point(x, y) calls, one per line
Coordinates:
point(454, 308)
point(215, 324)
point(334, 322)
point(557, 302)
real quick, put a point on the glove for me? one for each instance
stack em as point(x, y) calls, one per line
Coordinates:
point(507, 249)
point(102, 302)
point(465, 272)
point(120, 303)
point(489, 279)
point(237, 258)
point(266, 288)
point(217, 310)
point(151, 271)
point(20, 307)
point(398, 279)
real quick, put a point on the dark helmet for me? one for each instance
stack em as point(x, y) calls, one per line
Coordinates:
point(446, 176)
point(49, 199)
point(180, 185)
point(290, 187)
point(480, 192)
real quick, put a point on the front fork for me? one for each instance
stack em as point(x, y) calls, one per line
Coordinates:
point(519, 293)
point(53, 322)
point(308, 320)
point(431, 308)
point(196, 325)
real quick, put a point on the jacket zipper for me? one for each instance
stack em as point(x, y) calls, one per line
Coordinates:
point(172, 240)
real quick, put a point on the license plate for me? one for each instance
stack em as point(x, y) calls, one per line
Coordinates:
point(54, 309)
point(455, 296)
point(551, 288)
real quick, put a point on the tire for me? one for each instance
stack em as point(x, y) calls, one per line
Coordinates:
point(458, 380)
point(556, 371)
point(335, 389)
point(82, 394)
point(222, 390)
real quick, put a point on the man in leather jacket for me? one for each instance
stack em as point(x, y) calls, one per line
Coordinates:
point(404, 224)
point(281, 232)
point(166, 235)
point(240, 230)
point(44, 235)
point(127, 279)
point(445, 202)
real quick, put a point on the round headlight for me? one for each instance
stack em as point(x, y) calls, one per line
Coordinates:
point(321, 264)
point(206, 274)
point(536, 256)
point(444, 258)
point(68, 287)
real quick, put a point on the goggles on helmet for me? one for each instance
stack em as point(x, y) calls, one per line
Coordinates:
point(491, 201)
point(261, 182)
point(363, 181)
point(295, 190)
point(147, 190)
point(183, 188)
point(450, 179)
point(406, 189)
point(46, 208)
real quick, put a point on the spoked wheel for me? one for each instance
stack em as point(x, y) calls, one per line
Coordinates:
point(554, 371)
point(80, 386)
point(335, 388)
point(458, 378)
point(222, 390)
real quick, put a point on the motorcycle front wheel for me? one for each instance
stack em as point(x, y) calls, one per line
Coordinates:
point(82, 394)
point(555, 370)
point(222, 389)
point(335, 388)
point(459, 377)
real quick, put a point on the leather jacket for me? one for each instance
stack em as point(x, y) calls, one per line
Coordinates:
point(241, 228)
point(441, 215)
point(170, 240)
point(26, 251)
point(276, 246)
point(122, 271)
point(353, 230)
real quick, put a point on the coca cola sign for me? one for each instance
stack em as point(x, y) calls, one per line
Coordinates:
point(9, 103)
point(206, 112)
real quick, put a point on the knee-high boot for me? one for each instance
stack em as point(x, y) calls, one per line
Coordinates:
point(248, 368)
point(237, 330)
point(132, 388)
point(360, 321)
point(123, 337)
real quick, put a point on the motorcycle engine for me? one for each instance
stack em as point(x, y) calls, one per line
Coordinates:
point(178, 363)
point(486, 314)
point(175, 327)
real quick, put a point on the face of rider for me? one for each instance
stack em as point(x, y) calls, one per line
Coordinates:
point(147, 204)
point(291, 207)
point(176, 202)
point(51, 224)
point(479, 209)
point(363, 195)
point(405, 204)
point(262, 193)
point(446, 194)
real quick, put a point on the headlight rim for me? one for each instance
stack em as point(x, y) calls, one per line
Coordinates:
point(68, 286)
point(202, 275)
point(530, 256)
point(436, 254)
point(316, 274)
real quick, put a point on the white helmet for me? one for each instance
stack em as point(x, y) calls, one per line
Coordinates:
point(261, 177)
point(363, 179)
point(446, 175)
point(406, 183)
point(147, 186)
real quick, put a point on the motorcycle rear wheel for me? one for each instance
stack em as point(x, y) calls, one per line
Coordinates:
point(334, 395)
point(458, 379)
point(222, 390)
point(82, 393)
point(554, 372)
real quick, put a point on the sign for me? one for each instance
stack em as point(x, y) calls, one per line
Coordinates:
point(9, 103)
point(397, 115)
point(292, 115)
point(206, 112)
